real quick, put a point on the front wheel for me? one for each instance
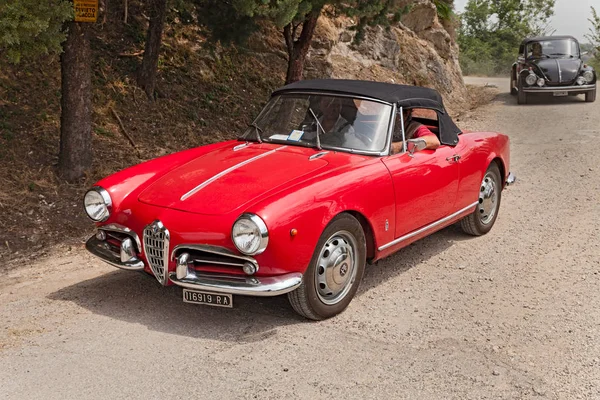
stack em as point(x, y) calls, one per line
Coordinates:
point(335, 271)
point(483, 218)
point(590, 96)
point(521, 95)
point(513, 84)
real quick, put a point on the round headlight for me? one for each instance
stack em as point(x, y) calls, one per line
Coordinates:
point(588, 76)
point(250, 234)
point(541, 82)
point(581, 81)
point(531, 79)
point(97, 204)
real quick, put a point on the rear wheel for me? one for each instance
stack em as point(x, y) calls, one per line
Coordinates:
point(590, 96)
point(483, 218)
point(335, 271)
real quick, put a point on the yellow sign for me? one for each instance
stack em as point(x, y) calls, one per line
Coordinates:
point(86, 10)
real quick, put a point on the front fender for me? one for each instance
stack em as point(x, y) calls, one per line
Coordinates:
point(309, 207)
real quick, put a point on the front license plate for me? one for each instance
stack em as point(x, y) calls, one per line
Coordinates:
point(211, 299)
point(557, 94)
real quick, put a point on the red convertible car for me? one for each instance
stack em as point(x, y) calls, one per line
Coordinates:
point(304, 200)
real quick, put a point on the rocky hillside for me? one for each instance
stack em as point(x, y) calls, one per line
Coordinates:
point(419, 51)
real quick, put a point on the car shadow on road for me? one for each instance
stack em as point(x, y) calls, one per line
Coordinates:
point(137, 298)
point(508, 100)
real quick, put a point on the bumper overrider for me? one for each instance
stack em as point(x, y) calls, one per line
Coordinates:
point(125, 257)
point(511, 179)
point(552, 89)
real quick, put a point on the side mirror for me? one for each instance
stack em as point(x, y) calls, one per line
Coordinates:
point(414, 145)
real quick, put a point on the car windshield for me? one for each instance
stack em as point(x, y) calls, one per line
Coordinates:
point(557, 48)
point(326, 121)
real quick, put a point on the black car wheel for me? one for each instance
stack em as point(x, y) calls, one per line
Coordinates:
point(483, 218)
point(513, 84)
point(334, 272)
point(521, 95)
point(590, 96)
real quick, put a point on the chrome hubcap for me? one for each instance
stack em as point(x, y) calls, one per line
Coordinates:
point(488, 199)
point(336, 268)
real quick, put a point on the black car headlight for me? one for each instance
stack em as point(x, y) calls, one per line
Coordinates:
point(250, 234)
point(531, 79)
point(588, 76)
point(97, 204)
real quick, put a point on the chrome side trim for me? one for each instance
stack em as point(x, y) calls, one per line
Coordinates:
point(549, 89)
point(225, 172)
point(123, 229)
point(428, 227)
point(102, 250)
point(240, 285)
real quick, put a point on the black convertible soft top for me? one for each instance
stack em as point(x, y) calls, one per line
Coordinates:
point(402, 95)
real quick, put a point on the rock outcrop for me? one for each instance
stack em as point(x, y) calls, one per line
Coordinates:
point(417, 51)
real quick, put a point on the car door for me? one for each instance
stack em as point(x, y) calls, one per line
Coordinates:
point(425, 186)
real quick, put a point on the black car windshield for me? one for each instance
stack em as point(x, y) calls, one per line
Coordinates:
point(554, 48)
point(343, 123)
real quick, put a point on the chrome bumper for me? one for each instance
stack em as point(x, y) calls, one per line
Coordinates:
point(231, 284)
point(552, 89)
point(102, 250)
point(511, 179)
point(242, 285)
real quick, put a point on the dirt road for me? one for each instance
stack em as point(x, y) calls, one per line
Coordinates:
point(512, 315)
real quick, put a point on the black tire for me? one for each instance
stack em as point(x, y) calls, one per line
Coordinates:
point(483, 218)
point(310, 299)
point(590, 96)
point(513, 84)
point(521, 95)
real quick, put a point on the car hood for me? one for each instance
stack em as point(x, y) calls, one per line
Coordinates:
point(226, 179)
point(559, 70)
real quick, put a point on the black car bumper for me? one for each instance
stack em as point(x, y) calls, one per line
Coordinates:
point(576, 89)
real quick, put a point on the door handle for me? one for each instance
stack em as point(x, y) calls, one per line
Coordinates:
point(454, 158)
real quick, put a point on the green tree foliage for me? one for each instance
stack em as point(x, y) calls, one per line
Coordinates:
point(491, 31)
point(29, 28)
point(594, 37)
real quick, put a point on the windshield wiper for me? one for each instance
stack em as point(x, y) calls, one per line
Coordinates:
point(318, 126)
point(258, 130)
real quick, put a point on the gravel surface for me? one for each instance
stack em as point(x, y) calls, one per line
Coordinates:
point(512, 315)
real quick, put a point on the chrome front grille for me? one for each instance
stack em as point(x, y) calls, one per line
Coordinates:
point(156, 248)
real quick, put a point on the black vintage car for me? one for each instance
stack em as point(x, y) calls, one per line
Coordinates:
point(551, 65)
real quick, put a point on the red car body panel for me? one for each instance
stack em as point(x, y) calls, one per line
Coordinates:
point(391, 195)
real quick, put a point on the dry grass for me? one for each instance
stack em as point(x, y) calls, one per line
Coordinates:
point(207, 95)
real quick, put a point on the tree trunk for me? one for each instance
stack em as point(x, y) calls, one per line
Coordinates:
point(75, 154)
point(147, 74)
point(298, 49)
